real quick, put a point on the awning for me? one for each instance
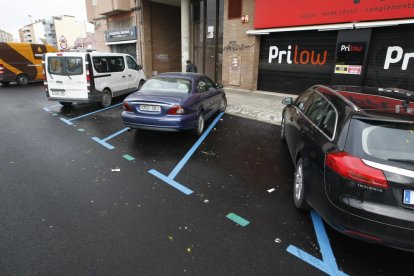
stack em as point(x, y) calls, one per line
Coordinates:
point(333, 27)
point(121, 42)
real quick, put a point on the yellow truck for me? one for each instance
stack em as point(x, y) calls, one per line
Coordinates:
point(22, 62)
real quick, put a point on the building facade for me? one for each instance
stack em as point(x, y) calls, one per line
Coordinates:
point(265, 44)
point(6, 36)
point(60, 31)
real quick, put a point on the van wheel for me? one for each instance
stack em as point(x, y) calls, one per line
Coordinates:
point(66, 103)
point(22, 79)
point(106, 98)
point(299, 187)
point(141, 83)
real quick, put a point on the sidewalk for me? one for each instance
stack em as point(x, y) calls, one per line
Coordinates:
point(257, 105)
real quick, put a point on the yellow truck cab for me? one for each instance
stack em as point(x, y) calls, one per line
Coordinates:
point(22, 62)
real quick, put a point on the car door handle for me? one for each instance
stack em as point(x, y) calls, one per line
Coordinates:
point(123, 76)
point(129, 75)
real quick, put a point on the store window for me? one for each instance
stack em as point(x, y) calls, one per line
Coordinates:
point(119, 24)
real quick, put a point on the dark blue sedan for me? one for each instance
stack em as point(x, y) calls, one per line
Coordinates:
point(173, 102)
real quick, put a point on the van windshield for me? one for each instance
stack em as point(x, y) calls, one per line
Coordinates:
point(66, 66)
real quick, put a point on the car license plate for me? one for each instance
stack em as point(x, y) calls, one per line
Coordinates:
point(57, 92)
point(408, 197)
point(150, 108)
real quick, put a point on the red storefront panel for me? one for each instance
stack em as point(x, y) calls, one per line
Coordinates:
point(281, 13)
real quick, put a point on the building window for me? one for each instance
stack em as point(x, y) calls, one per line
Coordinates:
point(94, 2)
point(119, 24)
point(235, 9)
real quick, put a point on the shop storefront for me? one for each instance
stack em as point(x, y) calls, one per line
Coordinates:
point(122, 40)
point(347, 42)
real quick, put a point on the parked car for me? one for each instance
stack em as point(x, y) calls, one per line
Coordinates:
point(82, 77)
point(173, 102)
point(353, 149)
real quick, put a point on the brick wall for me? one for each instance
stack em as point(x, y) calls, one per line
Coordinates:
point(240, 51)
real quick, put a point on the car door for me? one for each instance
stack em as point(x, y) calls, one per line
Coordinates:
point(206, 94)
point(293, 120)
point(133, 75)
point(118, 82)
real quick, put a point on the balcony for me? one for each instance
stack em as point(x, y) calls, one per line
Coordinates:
point(112, 7)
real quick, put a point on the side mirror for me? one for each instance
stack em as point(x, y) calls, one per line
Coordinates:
point(219, 86)
point(287, 101)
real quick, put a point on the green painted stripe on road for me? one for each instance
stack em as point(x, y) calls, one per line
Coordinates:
point(128, 157)
point(81, 129)
point(237, 219)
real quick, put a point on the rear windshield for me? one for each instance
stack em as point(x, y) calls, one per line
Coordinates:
point(381, 140)
point(65, 66)
point(167, 85)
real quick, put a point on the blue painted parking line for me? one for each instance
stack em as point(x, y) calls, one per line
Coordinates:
point(69, 121)
point(328, 263)
point(103, 141)
point(170, 178)
point(47, 109)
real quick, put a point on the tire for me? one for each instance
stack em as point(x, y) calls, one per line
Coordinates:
point(66, 104)
point(141, 83)
point(223, 104)
point(22, 79)
point(282, 129)
point(199, 128)
point(106, 98)
point(299, 198)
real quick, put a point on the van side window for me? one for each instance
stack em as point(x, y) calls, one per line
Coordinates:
point(116, 64)
point(132, 64)
point(100, 64)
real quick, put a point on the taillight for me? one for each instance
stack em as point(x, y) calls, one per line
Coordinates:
point(1, 69)
point(127, 107)
point(88, 77)
point(354, 168)
point(176, 110)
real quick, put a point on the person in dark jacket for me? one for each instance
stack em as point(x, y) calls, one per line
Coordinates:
point(191, 67)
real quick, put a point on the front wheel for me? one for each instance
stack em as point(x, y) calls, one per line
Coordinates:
point(200, 124)
point(299, 187)
point(106, 98)
point(22, 79)
point(223, 104)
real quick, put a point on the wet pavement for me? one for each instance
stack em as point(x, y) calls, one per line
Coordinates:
point(70, 205)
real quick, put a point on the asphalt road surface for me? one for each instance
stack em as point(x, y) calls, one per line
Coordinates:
point(157, 203)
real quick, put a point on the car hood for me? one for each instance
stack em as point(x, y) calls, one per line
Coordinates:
point(171, 98)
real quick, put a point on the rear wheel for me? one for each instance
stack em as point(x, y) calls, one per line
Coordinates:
point(200, 124)
point(66, 103)
point(223, 104)
point(299, 187)
point(22, 79)
point(106, 98)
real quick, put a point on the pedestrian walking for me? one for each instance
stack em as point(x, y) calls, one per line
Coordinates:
point(191, 67)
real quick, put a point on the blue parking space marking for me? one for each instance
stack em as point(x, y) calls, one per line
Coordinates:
point(69, 121)
point(47, 109)
point(103, 141)
point(328, 263)
point(170, 178)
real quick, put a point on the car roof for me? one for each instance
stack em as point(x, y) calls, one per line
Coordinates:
point(392, 103)
point(180, 75)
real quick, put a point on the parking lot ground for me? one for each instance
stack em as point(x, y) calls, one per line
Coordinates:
point(72, 206)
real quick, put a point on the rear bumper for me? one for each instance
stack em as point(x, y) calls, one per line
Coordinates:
point(364, 227)
point(92, 97)
point(161, 123)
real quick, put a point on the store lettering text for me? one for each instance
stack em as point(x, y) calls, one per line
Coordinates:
point(394, 55)
point(299, 56)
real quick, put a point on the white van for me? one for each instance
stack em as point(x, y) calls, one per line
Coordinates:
point(76, 77)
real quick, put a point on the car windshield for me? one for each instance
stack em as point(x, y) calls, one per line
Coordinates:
point(67, 66)
point(167, 85)
point(392, 141)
